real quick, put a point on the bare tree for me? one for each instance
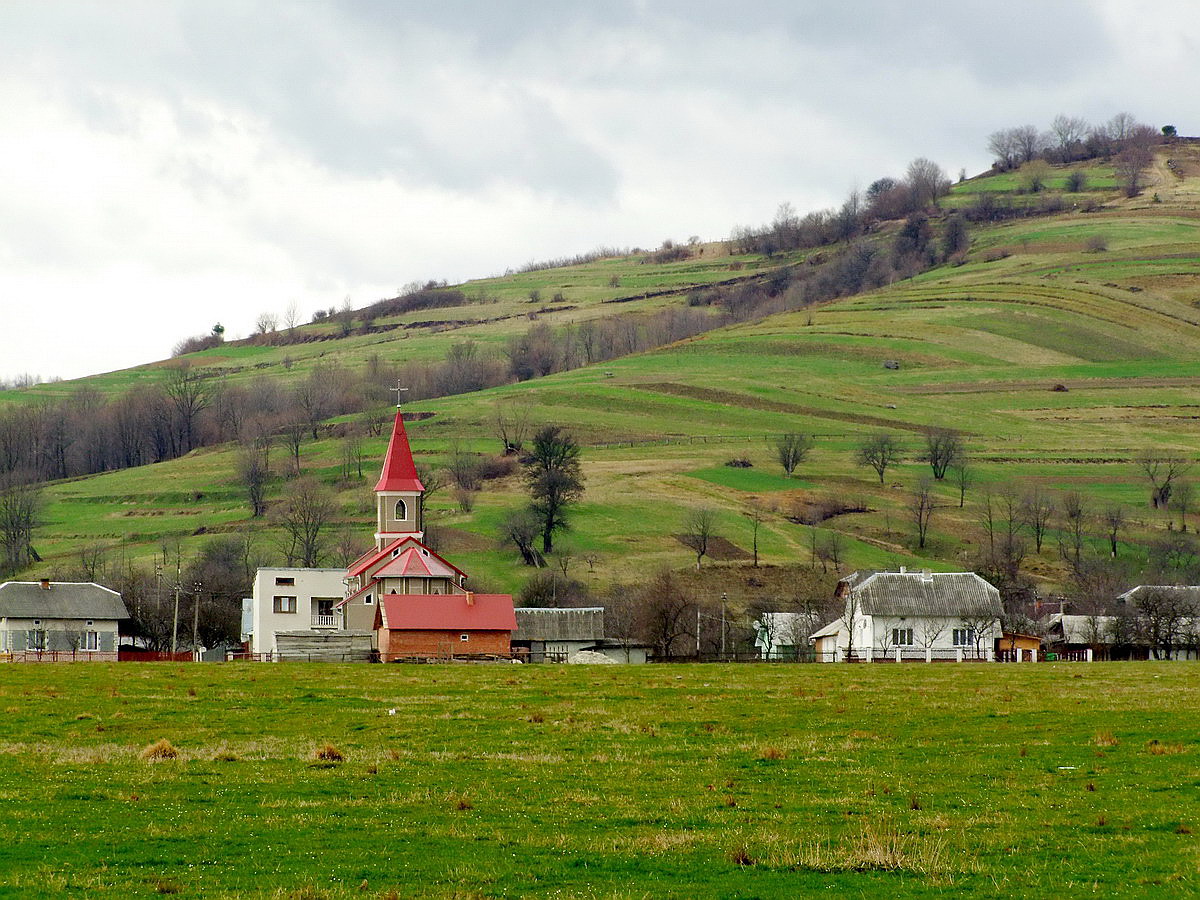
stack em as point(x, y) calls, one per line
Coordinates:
point(791, 449)
point(665, 615)
point(1037, 508)
point(20, 510)
point(1074, 534)
point(521, 529)
point(190, 393)
point(1028, 141)
point(880, 451)
point(1114, 521)
point(963, 473)
point(1162, 472)
point(291, 317)
point(265, 324)
point(927, 181)
point(1182, 497)
point(699, 528)
point(830, 549)
point(512, 425)
point(942, 447)
point(1002, 144)
point(304, 517)
point(921, 507)
point(756, 514)
point(1121, 126)
point(1068, 131)
point(254, 470)
point(1163, 616)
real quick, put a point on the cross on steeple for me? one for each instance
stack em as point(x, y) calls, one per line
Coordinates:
point(398, 391)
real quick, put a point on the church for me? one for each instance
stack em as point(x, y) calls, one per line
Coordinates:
point(416, 603)
point(407, 599)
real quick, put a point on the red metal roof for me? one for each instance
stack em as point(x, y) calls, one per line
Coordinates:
point(417, 562)
point(399, 470)
point(447, 612)
point(369, 559)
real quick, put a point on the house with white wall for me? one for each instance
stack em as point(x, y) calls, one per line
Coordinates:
point(912, 615)
point(291, 601)
point(59, 620)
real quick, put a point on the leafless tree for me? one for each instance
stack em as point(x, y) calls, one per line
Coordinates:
point(699, 528)
point(433, 480)
point(942, 447)
point(1182, 496)
point(880, 451)
point(1162, 472)
point(190, 393)
point(266, 324)
point(1028, 141)
point(921, 506)
point(1002, 144)
point(521, 529)
point(927, 181)
point(1163, 616)
point(1121, 126)
point(304, 516)
point(291, 317)
point(963, 473)
point(666, 615)
point(1037, 508)
point(830, 548)
point(929, 632)
point(315, 398)
point(1114, 521)
point(512, 421)
point(293, 436)
point(20, 511)
point(1068, 131)
point(1074, 529)
point(756, 514)
point(254, 470)
point(791, 449)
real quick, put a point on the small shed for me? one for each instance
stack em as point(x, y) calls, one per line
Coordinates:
point(552, 634)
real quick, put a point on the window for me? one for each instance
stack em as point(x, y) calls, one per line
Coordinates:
point(902, 637)
point(285, 604)
point(964, 637)
point(35, 639)
point(91, 641)
point(401, 510)
point(368, 601)
point(90, 623)
point(286, 582)
point(464, 637)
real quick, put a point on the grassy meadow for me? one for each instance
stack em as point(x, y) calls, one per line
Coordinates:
point(682, 781)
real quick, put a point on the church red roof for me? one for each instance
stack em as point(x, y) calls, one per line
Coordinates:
point(417, 561)
point(399, 470)
point(448, 612)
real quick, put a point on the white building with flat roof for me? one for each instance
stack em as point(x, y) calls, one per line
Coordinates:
point(291, 600)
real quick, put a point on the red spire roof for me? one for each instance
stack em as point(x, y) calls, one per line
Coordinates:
point(399, 470)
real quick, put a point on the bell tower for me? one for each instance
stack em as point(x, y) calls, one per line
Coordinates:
point(398, 491)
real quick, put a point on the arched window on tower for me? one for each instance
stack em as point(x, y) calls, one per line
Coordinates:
point(401, 510)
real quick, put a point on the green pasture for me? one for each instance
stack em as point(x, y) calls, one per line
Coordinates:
point(688, 781)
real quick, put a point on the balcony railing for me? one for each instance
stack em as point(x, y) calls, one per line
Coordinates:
point(326, 621)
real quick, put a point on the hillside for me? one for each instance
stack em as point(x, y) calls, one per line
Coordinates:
point(1101, 305)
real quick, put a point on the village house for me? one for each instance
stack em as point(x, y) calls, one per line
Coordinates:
point(290, 606)
point(911, 616)
point(55, 620)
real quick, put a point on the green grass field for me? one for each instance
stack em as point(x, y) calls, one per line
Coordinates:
point(663, 781)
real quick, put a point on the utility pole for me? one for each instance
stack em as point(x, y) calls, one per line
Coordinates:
point(724, 597)
point(175, 615)
point(196, 616)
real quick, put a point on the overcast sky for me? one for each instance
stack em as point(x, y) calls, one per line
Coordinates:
point(166, 166)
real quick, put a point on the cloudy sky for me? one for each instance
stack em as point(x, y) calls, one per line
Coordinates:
point(168, 165)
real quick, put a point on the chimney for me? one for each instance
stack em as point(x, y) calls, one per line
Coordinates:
point(903, 570)
point(926, 575)
point(45, 584)
point(470, 598)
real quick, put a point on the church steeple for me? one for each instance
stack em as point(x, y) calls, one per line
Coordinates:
point(398, 491)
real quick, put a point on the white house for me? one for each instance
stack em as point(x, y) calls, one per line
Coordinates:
point(293, 601)
point(920, 615)
point(59, 620)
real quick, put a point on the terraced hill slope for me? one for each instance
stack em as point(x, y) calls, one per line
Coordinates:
point(1062, 348)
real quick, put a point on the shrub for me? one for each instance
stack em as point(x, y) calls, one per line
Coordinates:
point(739, 462)
point(1076, 181)
point(161, 749)
point(328, 753)
point(1097, 243)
